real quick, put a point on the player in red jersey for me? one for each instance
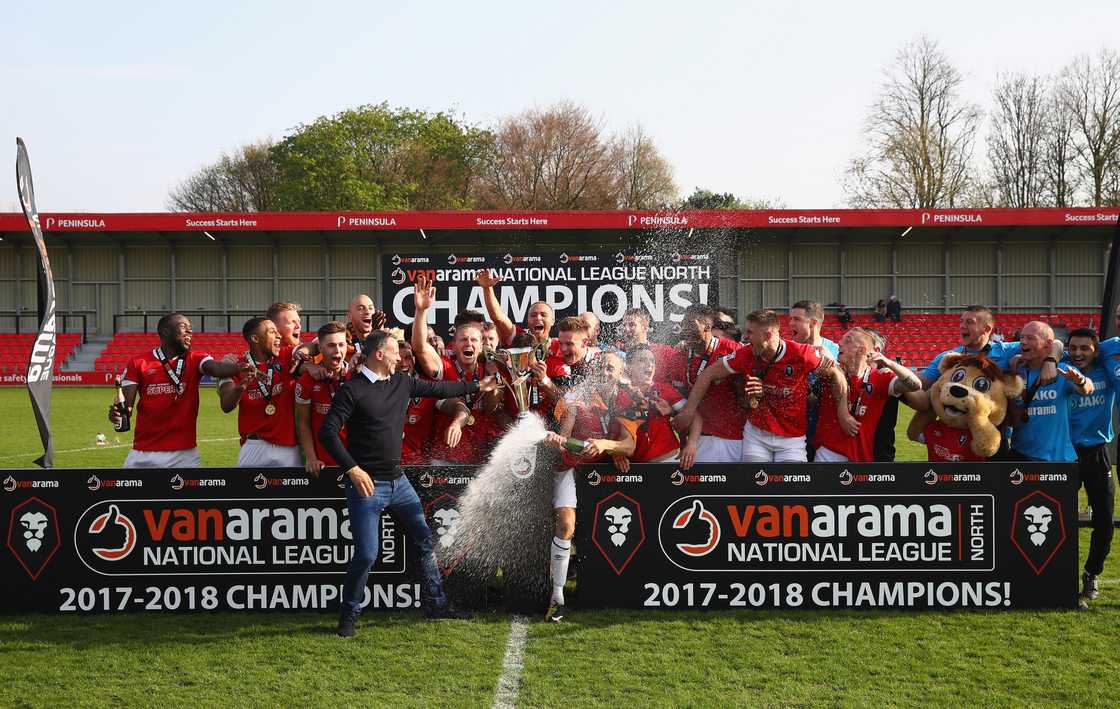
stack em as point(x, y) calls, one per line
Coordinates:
point(420, 420)
point(869, 388)
point(776, 385)
point(721, 440)
point(539, 320)
point(646, 408)
point(163, 386)
point(313, 397)
point(588, 389)
point(265, 403)
point(465, 427)
point(635, 334)
point(286, 318)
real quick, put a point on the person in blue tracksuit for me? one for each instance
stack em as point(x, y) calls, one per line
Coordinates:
point(1091, 430)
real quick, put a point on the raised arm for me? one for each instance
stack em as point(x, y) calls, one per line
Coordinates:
point(710, 375)
point(427, 359)
point(487, 279)
point(907, 380)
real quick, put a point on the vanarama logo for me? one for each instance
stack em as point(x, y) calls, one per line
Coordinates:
point(762, 478)
point(262, 482)
point(848, 531)
point(11, 484)
point(95, 483)
point(178, 482)
point(847, 477)
point(1018, 477)
point(427, 480)
point(224, 536)
point(597, 478)
point(679, 477)
point(706, 520)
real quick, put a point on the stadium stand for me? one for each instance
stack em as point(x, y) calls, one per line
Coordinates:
point(15, 349)
point(126, 345)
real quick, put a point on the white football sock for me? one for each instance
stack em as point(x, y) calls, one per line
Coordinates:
point(560, 555)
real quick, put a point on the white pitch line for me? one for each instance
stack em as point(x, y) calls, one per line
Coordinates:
point(115, 445)
point(506, 695)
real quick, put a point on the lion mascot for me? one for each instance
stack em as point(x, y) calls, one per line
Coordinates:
point(968, 403)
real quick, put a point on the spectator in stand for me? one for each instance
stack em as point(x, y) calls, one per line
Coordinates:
point(721, 439)
point(646, 408)
point(894, 309)
point(163, 386)
point(872, 381)
point(313, 397)
point(265, 402)
point(881, 311)
point(1091, 422)
point(1044, 433)
point(844, 316)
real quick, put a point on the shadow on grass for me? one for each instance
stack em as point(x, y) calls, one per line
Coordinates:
point(83, 632)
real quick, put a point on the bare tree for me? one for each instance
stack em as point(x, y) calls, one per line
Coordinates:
point(555, 158)
point(920, 135)
point(643, 179)
point(1058, 168)
point(246, 181)
point(1090, 87)
point(1016, 141)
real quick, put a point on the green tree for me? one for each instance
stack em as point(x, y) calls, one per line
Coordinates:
point(246, 181)
point(377, 157)
point(706, 199)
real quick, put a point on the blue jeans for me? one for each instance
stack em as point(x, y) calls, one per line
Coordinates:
point(401, 500)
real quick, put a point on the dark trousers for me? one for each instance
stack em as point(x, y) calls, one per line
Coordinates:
point(1096, 475)
point(401, 500)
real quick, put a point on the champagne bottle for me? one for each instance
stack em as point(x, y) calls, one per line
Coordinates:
point(122, 409)
point(575, 445)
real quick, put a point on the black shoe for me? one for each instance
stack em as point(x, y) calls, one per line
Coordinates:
point(557, 612)
point(1091, 589)
point(346, 619)
point(448, 611)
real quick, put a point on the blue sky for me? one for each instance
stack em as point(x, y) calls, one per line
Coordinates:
point(120, 101)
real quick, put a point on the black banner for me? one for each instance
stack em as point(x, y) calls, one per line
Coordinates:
point(41, 363)
point(898, 535)
point(201, 539)
point(607, 284)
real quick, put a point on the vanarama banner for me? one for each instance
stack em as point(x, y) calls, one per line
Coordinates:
point(829, 536)
point(200, 539)
point(607, 284)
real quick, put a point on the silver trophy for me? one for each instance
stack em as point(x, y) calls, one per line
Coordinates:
point(513, 372)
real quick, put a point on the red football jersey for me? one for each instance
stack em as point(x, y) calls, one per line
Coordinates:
point(477, 437)
point(723, 417)
point(419, 431)
point(278, 428)
point(318, 394)
point(595, 420)
point(867, 396)
point(656, 437)
point(785, 383)
point(165, 420)
point(949, 445)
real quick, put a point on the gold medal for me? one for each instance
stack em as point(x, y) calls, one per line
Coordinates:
point(470, 420)
point(270, 409)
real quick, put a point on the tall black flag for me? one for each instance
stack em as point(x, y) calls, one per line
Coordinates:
point(1111, 288)
point(40, 366)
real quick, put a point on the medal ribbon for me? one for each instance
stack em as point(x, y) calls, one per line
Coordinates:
point(463, 377)
point(703, 364)
point(175, 375)
point(266, 388)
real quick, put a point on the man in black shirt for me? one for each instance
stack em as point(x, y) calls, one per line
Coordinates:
point(372, 406)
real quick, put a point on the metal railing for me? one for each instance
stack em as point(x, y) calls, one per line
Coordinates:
point(64, 319)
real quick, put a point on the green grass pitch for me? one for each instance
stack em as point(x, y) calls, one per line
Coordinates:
point(606, 658)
